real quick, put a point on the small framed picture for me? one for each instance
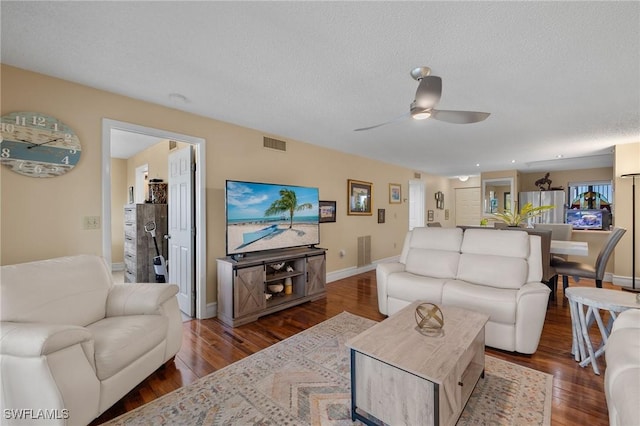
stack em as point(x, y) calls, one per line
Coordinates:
point(131, 195)
point(359, 197)
point(429, 215)
point(395, 193)
point(380, 215)
point(327, 211)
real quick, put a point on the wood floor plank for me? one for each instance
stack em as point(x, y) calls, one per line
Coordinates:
point(209, 345)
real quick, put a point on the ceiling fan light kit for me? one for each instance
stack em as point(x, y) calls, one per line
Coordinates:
point(427, 96)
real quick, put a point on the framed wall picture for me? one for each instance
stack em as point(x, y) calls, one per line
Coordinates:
point(429, 215)
point(327, 211)
point(395, 193)
point(359, 197)
point(381, 215)
point(131, 195)
point(439, 196)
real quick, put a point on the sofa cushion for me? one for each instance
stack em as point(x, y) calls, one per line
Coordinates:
point(447, 239)
point(432, 263)
point(121, 340)
point(407, 286)
point(66, 290)
point(494, 258)
point(434, 252)
point(500, 304)
point(494, 271)
point(496, 243)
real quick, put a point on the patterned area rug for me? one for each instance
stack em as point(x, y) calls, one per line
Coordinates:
point(305, 380)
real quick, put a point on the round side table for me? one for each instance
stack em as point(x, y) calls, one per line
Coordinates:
point(585, 304)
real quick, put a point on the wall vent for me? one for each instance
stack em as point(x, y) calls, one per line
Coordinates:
point(364, 251)
point(417, 175)
point(274, 144)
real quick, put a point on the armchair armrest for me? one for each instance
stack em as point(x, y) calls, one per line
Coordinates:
point(138, 299)
point(37, 339)
point(383, 270)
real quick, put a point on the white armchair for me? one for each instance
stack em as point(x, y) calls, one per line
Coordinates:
point(72, 343)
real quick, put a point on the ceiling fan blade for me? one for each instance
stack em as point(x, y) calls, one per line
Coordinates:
point(405, 115)
point(429, 91)
point(459, 117)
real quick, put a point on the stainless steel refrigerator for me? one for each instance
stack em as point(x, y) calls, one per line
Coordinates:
point(545, 198)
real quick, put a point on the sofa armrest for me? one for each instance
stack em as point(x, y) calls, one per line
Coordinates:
point(37, 339)
point(532, 301)
point(383, 270)
point(138, 299)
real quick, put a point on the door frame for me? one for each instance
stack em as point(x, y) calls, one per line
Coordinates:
point(200, 201)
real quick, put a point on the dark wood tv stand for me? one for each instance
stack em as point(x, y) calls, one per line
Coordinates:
point(243, 292)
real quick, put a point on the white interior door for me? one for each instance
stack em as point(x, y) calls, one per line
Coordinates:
point(181, 226)
point(416, 204)
point(468, 206)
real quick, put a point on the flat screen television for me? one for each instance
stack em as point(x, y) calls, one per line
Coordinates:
point(266, 216)
point(589, 219)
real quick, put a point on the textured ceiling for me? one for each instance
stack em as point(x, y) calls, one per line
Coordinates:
point(559, 78)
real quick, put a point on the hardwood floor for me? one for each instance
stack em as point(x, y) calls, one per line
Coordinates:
point(209, 345)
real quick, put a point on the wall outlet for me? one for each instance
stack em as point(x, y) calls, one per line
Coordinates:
point(91, 222)
point(342, 253)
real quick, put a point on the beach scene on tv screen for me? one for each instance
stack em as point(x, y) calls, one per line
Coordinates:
point(265, 216)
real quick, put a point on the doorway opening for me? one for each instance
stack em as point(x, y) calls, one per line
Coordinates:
point(108, 126)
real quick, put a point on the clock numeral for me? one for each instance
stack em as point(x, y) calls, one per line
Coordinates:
point(73, 151)
point(20, 164)
point(67, 137)
point(38, 169)
point(65, 160)
point(8, 127)
point(39, 121)
point(6, 153)
point(21, 121)
point(55, 127)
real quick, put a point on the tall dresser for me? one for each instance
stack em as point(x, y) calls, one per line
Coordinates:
point(139, 249)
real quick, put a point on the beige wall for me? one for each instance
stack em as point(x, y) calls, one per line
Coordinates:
point(42, 218)
point(627, 160)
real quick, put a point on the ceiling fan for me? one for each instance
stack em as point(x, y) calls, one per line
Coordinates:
point(427, 96)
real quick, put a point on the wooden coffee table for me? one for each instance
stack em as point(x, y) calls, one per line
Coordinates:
point(400, 376)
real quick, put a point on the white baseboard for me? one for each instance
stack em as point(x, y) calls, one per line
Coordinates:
point(622, 281)
point(117, 267)
point(349, 272)
point(211, 311)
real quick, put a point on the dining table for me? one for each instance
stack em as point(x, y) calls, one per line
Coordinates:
point(574, 248)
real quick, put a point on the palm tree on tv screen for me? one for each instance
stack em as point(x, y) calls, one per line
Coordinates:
point(287, 203)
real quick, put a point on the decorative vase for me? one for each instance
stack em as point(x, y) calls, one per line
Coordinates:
point(288, 286)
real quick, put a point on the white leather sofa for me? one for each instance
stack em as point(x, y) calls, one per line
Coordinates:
point(495, 272)
point(72, 343)
point(622, 376)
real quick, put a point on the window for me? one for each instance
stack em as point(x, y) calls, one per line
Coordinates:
point(591, 195)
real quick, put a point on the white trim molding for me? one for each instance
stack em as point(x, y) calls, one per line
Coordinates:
point(349, 272)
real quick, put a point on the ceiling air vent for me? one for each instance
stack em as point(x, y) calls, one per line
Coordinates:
point(417, 175)
point(274, 144)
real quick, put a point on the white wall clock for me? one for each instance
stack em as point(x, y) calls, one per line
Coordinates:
point(38, 145)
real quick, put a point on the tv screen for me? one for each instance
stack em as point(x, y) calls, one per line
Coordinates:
point(585, 219)
point(265, 216)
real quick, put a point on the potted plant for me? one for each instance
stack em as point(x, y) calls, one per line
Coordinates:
point(513, 218)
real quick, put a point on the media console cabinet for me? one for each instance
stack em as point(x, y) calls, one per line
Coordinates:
point(243, 284)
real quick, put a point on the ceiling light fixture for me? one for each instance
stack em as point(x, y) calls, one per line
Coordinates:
point(513, 161)
point(559, 156)
point(477, 164)
point(419, 112)
point(463, 178)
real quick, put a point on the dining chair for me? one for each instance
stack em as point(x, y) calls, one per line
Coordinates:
point(561, 232)
point(583, 270)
